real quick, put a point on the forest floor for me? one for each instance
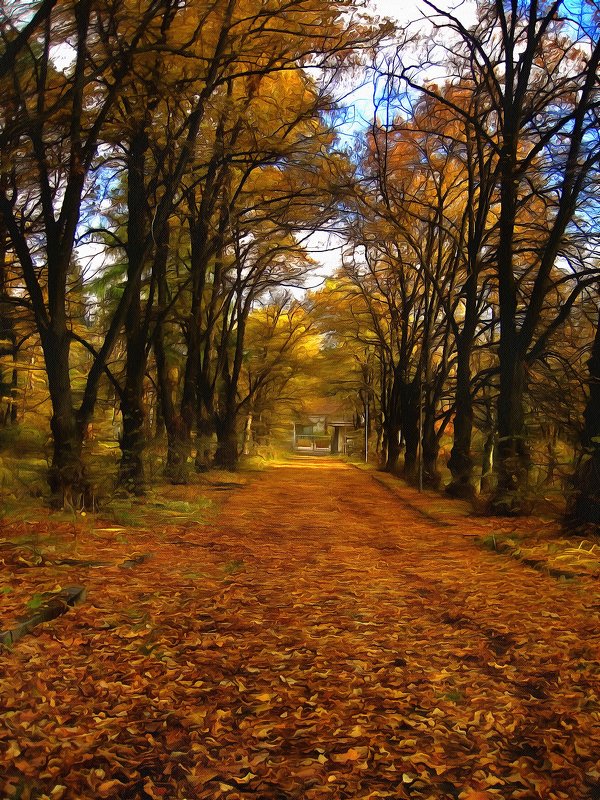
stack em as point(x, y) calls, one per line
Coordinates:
point(311, 634)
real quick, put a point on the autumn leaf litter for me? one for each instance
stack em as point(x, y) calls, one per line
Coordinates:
point(316, 639)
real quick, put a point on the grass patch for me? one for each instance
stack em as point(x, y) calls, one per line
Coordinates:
point(234, 566)
point(156, 509)
point(489, 543)
point(548, 551)
point(501, 541)
point(454, 696)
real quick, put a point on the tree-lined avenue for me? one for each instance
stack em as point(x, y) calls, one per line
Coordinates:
point(319, 638)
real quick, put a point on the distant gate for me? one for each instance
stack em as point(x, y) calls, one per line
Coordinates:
point(313, 443)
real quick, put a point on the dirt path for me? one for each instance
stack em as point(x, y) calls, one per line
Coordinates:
point(320, 640)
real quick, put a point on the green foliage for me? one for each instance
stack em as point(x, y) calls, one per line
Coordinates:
point(489, 542)
point(455, 696)
point(36, 601)
point(156, 510)
point(24, 439)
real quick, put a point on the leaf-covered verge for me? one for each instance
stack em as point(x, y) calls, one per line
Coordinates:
point(541, 543)
point(319, 638)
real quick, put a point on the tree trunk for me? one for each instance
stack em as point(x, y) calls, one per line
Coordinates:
point(205, 430)
point(392, 444)
point(226, 455)
point(553, 458)
point(512, 451)
point(7, 333)
point(585, 507)
point(205, 412)
point(410, 427)
point(487, 483)
point(14, 393)
point(248, 434)
point(431, 447)
point(391, 424)
point(180, 436)
point(511, 457)
point(66, 476)
point(460, 462)
point(179, 447)
point(487, 464)
point(177, 427)
point(160, 428)
point(178, 439)
point(133, 437)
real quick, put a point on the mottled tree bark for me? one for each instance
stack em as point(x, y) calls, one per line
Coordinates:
point(585, 507)
point(410, 427)
point(66, 468)
point(431, 448)
point(460, 462)
point(133, 438)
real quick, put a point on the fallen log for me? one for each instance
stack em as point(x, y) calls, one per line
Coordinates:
point(57, 603)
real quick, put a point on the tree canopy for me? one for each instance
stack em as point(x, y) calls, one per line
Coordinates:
point(165, 167)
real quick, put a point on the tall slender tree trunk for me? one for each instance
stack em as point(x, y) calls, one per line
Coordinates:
point(487, 463)
point(177, 438)
point(13, 412)
point(7, 334)
point(67, 473)
point(226, 421)
point(392, 444)
point(410, 427)
point(205, 430)
point(512, 450)
point(460, 462)
point(177, 429)
point(512, 455)
point(179, 433)
point(430, 445)
point(205, 401)
point(585, 507)
point(488, 478)
point(391, 426)
point(227, 452)
point(133, 438)
point(248, 434)
point(226, 455)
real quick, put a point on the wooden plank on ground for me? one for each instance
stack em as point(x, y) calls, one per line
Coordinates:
point(56, 604)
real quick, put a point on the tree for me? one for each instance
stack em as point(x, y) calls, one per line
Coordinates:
point(237, 135)
point(406, 227)
point(536, 64)
point(282, 346)
point(585, 504)
point(54, 120)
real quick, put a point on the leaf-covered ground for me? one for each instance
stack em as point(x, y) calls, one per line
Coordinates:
point(321, 637)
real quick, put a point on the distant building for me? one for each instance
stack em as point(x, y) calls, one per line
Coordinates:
point(323, 430)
